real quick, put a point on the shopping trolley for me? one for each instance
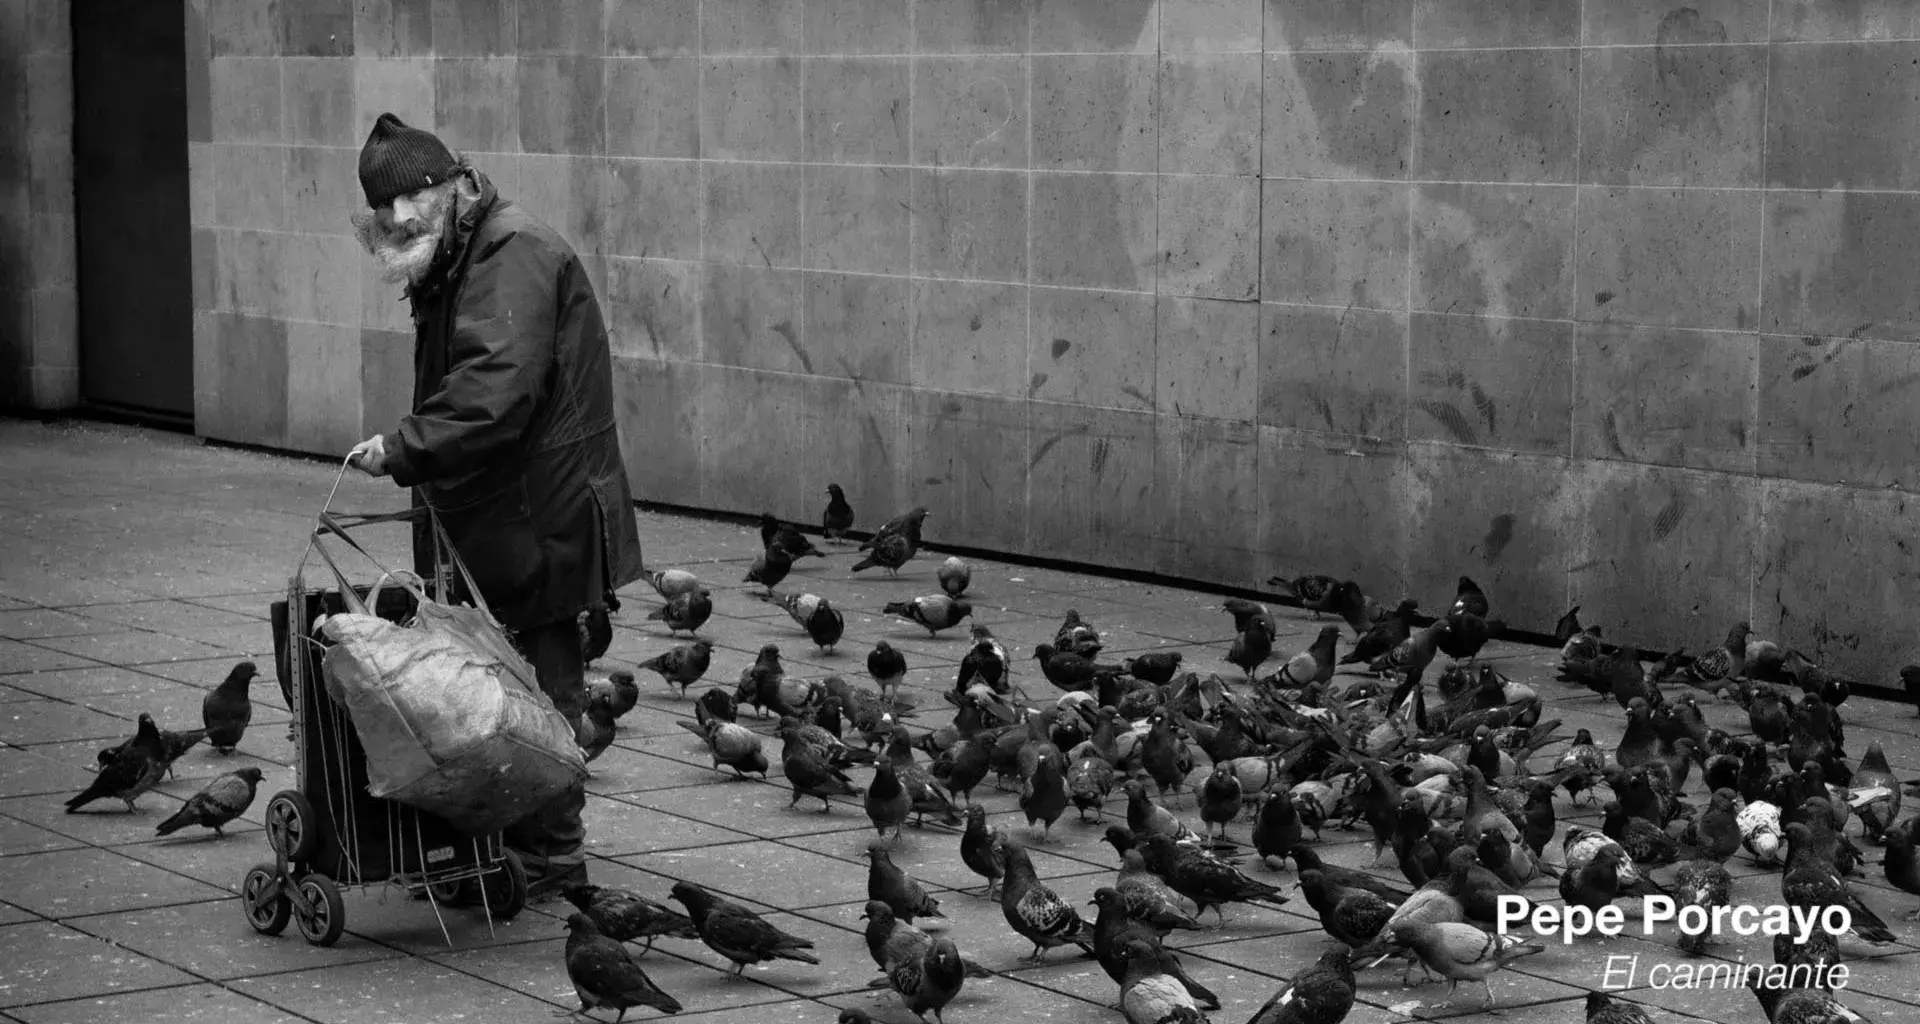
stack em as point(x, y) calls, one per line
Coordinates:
point(329, 832)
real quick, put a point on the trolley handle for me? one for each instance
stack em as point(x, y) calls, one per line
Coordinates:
point(337, 524)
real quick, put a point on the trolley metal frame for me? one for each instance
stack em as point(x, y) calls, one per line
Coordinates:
point(329, 832)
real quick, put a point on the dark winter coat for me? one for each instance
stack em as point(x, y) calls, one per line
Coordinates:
point(512, 439)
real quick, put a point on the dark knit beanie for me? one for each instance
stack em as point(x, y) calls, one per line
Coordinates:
point(397, 160)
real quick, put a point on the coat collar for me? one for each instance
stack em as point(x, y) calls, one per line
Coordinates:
point(453, 248)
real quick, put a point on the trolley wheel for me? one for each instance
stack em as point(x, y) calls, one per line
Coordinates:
point(454, 894)
point(322, 927)
point(267, 908)
point(292, 828)
point(507, 887)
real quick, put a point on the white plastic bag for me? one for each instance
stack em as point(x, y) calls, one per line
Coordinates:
point(450, 716)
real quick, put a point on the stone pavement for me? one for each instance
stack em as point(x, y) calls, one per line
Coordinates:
point(136, 567)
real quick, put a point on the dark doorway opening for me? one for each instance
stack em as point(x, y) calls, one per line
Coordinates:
point(133, 229)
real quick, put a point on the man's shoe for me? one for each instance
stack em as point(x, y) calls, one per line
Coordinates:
point(553, 883)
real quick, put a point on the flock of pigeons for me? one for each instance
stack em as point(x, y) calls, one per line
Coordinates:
point(137, 764)
point(1458, 783)
point(1455, 780)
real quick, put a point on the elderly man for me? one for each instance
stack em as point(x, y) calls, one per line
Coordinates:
point(512, 439)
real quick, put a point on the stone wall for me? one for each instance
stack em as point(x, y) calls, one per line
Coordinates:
point(1601, 303)
point(39, 339)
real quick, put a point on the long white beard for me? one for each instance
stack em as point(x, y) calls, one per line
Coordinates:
point(408, 261)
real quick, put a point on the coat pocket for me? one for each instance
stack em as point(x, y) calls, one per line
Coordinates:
point(497, 539)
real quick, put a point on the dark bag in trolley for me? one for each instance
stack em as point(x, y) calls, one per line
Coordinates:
point(451, 717)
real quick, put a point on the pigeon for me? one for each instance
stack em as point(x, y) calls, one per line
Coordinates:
point(907, 523)
point(1251, 648)
point(954, 574)
point(729, 743)
point(604, 974)
point(838, 517)
point(888, 668)
point(764, 684)
point(930, 981)
point(1036, 911)
point(1910, 685)
point(1461, 952)
point(1206, 881)
point(1798, 1005)
point(1813, 881)
point(682, 666)
point(1643, 840)
point(1875, 792)
point(672, 583)
point(1469, 598)
point(1821, 950)
point(808, 770)
point(986, 661)
point(223, 800)
point(1384, 635)
point(788, 536)
point(1352, 916)
point(1152, 992)
point(136, 767)
point(1901, 864)
point(1321, 994)
point(924, 795)
point(1156, 667)
point(1043, 796)
point(1070, 671)
point(1601, 1009)
point(1090, 779)
point(1246, 612)
point(716, 703)
point(978, 850)
point(1075, 636)
point(886, 800)
point(815, 614)
point(1705, 884)
point(1313, 665)
point(890, 885)
point(1714, 833)
point(685, 612)
point(737, 933)
point(889, 553)
point(889, 939)
point(1147, 896)
point(772, 566)
point(622, 692)
point(1220, 798)
point(226, 710)
point(1276, 829)
point(1313, 591)
point(173, 745)
point(595, 731)
point(1117, 923)
point(937, 612)
point(625, 916)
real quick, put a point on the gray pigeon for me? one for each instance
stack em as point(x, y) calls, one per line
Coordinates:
point(223, 800)
point(227, 710)
point(604, 974)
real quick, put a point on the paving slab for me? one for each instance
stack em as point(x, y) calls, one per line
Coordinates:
point(213, 940)
point(33, 770)
point(71, 883)
point(131, 646)
point(48, 961)
point(185, 1004)
point(17, 656)
point(30, 722)
point(402, 990)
